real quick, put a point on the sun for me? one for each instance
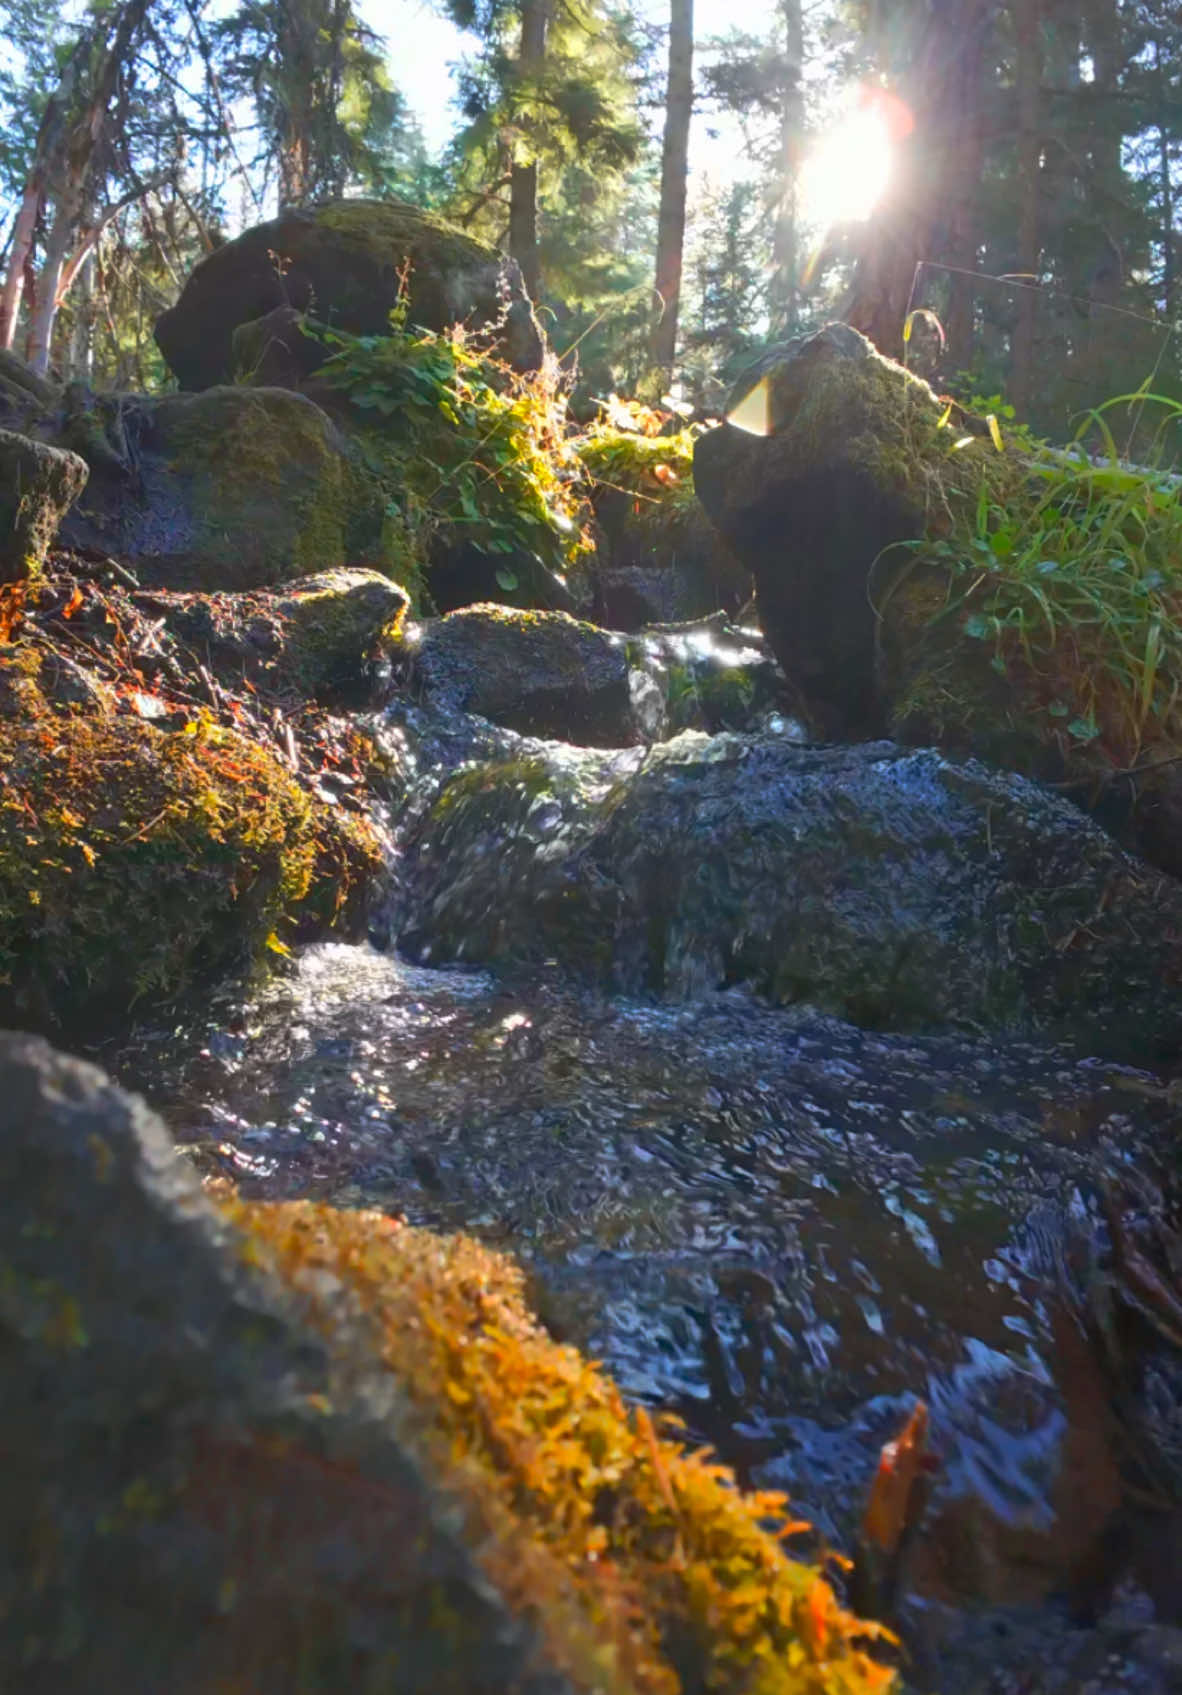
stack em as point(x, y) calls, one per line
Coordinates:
point(846, 175)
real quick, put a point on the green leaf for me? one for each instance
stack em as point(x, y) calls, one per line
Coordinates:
point(978, 627)
point(1083, 729)
point(507, 579)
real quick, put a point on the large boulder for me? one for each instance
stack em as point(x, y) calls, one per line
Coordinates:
point(844, 468)
point(38, 485)
point(233, 488)
point(902, 890)
point(342, 264)
point(284, 1448)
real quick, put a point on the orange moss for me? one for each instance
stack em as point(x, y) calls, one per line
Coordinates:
point(643, 1567)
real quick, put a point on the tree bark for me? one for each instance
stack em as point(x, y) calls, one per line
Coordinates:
point(523, 181)
point(943, 81)
point(679, 105)
point(1028, 77)
point(786, 268)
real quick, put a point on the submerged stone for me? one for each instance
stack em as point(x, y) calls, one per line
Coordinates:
point(902, 890)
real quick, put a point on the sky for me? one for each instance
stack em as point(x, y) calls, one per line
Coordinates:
point(422, 44)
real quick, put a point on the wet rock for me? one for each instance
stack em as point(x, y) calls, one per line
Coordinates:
point(38, 485)
point(708, 675)
point(207, 1493)
point(231, 489)
point(541, 673)
point(904, 890)
point(810, 506)
point(341, 261)
point(318, 636)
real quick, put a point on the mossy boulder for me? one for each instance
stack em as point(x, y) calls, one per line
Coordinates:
point(286, 1448)
point(901, 890)
point(844, 455)
point(341, 264)
point(661, 562)
point(137, 860)
point(234, 488)
point(38, 485)
point(540, 673)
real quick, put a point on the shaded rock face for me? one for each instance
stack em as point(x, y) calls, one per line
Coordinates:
point(340, 264)
point(198, 1494)
point(541, 673)
point(38, 485)
point(810, 507)
point(902, 890)
point(655, 570)
point(230, 489)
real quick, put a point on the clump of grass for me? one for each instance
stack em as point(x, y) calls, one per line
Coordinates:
point(1072, 584)
point(634, 1557)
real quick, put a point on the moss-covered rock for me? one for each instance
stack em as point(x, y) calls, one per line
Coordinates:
point(899, 890)
point(136, 860)
point(844, 455)
point(333, 623)
point(341, 264)
point(235, 488)
point(38, 485)
point(287, 1449)
point(540, 673)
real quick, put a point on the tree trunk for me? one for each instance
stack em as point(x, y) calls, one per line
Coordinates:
point(1028, 76)
point(784, 302)
point(1169, 237)
point(912, 225)
point(523, 182)
point(679, 105)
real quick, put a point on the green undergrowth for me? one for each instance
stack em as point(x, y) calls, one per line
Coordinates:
point(1046, 610)
point(136, 861)
point(646, 454)
point(463, 448)
point(644, 1568)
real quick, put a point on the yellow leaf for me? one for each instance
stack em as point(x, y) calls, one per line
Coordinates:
point(994, 431)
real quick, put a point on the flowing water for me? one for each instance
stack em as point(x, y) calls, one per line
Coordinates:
point(782, 1227)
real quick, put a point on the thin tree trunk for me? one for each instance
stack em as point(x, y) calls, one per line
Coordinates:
point(523, 181)
point(1169, 277)
point(63, 166)
point(679, 105)
point(786, 268)
point(1028, 76)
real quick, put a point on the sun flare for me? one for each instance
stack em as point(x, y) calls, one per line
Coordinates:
point(848, 172)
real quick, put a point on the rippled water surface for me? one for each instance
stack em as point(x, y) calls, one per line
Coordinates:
point(781, 1226)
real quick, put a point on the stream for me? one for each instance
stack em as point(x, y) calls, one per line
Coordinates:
point(779, 1226)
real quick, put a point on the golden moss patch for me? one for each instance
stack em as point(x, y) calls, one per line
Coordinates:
point(643, 1566)
point(135, 859)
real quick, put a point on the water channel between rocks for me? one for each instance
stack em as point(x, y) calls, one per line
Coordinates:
point(780, 1226)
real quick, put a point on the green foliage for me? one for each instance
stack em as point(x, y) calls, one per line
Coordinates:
point(644, 452)
point(464, 448)
point(1075, 589)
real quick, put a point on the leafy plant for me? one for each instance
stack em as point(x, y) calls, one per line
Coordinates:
point(462, 446)
point(643, 451)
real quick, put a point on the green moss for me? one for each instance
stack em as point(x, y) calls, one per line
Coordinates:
point(135, 861)
point(389, 231)
point(270, 489)
point(635, 1559)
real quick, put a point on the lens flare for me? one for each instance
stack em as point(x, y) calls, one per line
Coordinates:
point(845, 177)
